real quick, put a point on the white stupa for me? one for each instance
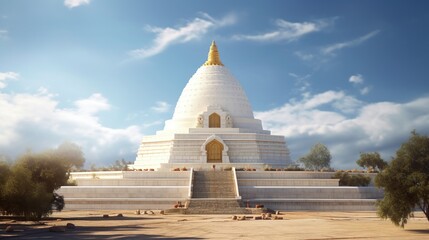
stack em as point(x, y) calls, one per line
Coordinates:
point(213, 123)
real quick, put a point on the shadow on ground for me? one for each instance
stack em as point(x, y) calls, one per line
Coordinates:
point(421, 231)
point(89, 232)
point(97, 218)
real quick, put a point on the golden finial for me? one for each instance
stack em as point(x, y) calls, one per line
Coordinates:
point(213, 57)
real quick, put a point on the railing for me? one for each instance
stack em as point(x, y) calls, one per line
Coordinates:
point(191, 178)
point(237, 192)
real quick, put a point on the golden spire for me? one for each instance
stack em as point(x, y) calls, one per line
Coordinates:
point(213, 57)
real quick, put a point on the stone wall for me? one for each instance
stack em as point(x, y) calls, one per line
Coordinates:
point(126, 190)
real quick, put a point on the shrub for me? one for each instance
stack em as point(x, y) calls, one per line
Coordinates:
point(293, 168)
point(347, 179)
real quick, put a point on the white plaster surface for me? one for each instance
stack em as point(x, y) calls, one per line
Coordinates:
point(212, 89)
point(126, 190)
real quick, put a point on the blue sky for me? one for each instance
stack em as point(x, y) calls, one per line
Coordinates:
point(349, 74)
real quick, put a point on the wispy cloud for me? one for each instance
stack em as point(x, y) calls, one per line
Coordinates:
point(4, 76)
point(193, 30)
point(161, 107)
point(75, 3)
point(3, 34)
point(331, 49)
point(286, 31)
point(301, 81)
point(365, 90)
point(151, 124)
point(304, 56)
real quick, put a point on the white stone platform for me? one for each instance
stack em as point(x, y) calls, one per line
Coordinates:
point(279, 190)
point(285, 190)
point(126, 190)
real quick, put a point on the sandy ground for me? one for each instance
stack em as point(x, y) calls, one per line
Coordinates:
point(295, 225)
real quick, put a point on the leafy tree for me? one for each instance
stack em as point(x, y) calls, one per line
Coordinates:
point(406, 181)
point(319, 157)
point(25, 197)
point(4, 175)
point(352, 179)
point(4, 172)
point(45, 168)
point(30, 183)
point(120, 165)
point(371, 161)
point(71, 155)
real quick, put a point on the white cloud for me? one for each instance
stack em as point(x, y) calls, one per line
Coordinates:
point(356, 79)
point(381, 126)
point(151, 124)
point(301, 81)
point(286, 31)
point(4, 76)
point(364, 91)
point(3, 34)
point(75, 3)
point(35, 121)
point(338, 46)
point(95, 103)
point(193, 30)
point(161, 107)
point(304, 56)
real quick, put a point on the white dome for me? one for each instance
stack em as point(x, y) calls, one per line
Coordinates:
point(212, 86)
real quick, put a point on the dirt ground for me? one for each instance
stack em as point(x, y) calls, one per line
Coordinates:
point(295, 225)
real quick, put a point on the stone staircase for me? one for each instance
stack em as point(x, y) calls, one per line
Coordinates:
point(213, 192)
point(213, 184)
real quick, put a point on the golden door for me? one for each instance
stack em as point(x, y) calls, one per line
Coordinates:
point(214, 120)
point(214, 152)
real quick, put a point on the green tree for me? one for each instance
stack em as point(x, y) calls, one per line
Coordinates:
point(4, 175)
point(30, 183)
point(406, 181)
point(71, 155)
point(319, 157)
point(371, 161)
point(46, 168)
point(120, 165)
point(25, 197)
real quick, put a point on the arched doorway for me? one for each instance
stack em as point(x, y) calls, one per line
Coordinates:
point(214, 120)
point(214, 152)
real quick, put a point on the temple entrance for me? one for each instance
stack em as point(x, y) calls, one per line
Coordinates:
point(214, 152)
point(214, 120)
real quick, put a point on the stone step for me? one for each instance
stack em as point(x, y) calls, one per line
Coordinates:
point(215, 190)
point(213, 195)
point(213, 184)
point(215, 206)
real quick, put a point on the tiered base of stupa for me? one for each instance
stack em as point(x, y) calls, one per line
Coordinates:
point(241, 149)
point(278, 190)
